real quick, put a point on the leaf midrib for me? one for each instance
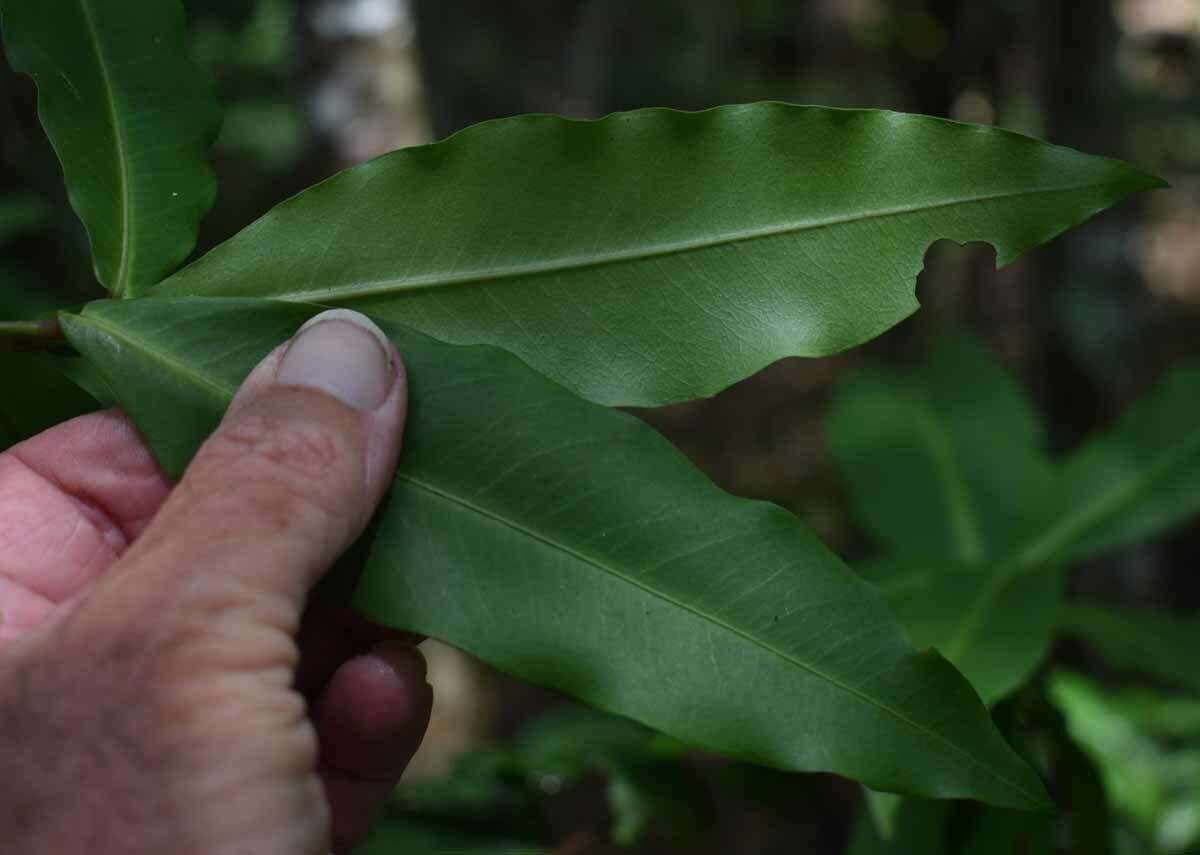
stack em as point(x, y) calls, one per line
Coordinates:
point(211, 386)
point(120, 287)
point(1053, 543)
point(693, 610)
point(948, 467)
point(197, 377)
point(368, 289)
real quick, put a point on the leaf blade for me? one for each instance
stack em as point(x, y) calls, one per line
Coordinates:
point(507, 568)
point(131, 120)
point(600, 252)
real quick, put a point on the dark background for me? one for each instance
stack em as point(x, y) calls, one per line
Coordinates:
point(1088, 323)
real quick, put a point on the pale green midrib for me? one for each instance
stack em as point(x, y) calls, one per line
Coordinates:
point(366, 290)
point(732, 630)
point(1052, 544)
point(227, 394)
point(964, 521)
point(120, 287)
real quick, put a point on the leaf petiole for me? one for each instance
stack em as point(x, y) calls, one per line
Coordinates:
point(31, 335)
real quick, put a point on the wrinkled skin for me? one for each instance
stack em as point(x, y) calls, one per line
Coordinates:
point(164, 683)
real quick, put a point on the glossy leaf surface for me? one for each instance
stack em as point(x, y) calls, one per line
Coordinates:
point(659, 256)
point(570, 545)
point(131, 119)
point(1153, 642)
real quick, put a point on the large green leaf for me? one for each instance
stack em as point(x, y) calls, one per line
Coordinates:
point(1155, 643)
point(131, 119)
point(572, 546)
point(945, 462)
point(659, 256)
point(1140, 477)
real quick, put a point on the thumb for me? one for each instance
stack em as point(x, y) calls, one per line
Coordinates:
point(287, 482)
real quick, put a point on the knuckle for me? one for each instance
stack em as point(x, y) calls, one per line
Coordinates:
point(288, 469)
point(290, 446)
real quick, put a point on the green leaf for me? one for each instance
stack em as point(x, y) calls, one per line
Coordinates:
point(1152, 642)
point(1139, 478)
point(659, 256)
point(930, 600)
point(1136, 480)
point(572, 546)
point(944, 462)
point(946, 467)
point(131, 119)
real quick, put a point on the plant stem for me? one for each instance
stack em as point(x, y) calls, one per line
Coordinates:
point(30, 335)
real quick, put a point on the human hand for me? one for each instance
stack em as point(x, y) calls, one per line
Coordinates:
point(162, 685)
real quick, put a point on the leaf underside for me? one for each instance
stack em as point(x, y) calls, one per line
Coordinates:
point(572, 546)
point(658, 256)
point(131, 119)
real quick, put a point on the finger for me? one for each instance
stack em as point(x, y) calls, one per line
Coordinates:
point(72, 499)
point(370, 721)
point(331, 634)
point(287, 481)
point(21, 610)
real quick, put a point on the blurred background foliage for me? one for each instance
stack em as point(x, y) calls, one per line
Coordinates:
point(1085, 326)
